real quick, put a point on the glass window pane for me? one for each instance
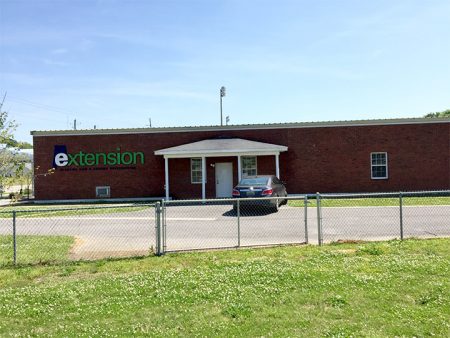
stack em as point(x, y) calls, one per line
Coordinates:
point(196, 170)
point(255, 181)
point(249, 166)
point(379, 171)
point(378, 158)
point(196, 164)
point(249, 172)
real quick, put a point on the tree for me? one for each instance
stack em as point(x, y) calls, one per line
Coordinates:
point(7, 129)
point(445, 113)
point(9, 162)
point(16, 167)
point(24, 145)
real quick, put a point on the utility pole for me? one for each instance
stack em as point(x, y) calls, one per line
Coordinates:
point(222, 94)
point(75, 124)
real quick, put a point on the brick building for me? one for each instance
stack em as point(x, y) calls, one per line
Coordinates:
point(196, 162)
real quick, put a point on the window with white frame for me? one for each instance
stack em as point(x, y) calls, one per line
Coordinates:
point(379, 165)
point(249, 167)
point(196, 170)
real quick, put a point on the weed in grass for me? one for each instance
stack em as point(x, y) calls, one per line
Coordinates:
point(237, 310)
point(66, 271)
point(431, 297)
point(370, 249)
point(336, 301)
point(340, 332)
point(95, 266)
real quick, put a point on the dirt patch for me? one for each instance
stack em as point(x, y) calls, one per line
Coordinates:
point(348, 241)
point(93, 255)
point(76, 244)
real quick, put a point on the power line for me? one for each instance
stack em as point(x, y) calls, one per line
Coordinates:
point(39, 105)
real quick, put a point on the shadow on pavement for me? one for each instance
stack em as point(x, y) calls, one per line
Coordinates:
point(247, 212)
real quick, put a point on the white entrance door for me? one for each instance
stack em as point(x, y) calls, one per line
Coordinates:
point(224, 179)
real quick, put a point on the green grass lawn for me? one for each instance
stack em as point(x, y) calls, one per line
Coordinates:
point(373, 202)
point(35, 249)
point(376, 289)
point(32, 211)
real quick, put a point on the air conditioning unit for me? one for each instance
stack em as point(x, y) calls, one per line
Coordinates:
point(102, 192)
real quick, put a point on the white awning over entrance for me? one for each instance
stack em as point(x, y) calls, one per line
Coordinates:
point(221, 147)
point(218, 148)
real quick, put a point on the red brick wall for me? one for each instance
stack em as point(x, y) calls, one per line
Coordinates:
point(325, 159)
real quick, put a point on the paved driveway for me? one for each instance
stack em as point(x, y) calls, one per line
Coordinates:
point(217, 226)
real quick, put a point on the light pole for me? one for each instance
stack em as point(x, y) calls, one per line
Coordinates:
point(222, 94)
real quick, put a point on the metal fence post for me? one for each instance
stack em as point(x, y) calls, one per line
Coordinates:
point(158, 229)
point(319, 220)
point(238, 211)
point(306, 217)
point(401, 214)
point(163, 226)
point(14, 238)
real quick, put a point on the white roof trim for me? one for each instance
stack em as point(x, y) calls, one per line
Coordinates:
point(325, 124)
point(221, 154)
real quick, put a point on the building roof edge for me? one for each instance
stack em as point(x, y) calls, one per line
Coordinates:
point(288, 125)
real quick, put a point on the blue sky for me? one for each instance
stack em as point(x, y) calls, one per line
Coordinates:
point(116, 64)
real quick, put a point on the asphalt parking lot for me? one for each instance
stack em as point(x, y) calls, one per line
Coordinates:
point(217, 226)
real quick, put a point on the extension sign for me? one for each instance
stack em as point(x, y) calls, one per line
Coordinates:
point(62, 158)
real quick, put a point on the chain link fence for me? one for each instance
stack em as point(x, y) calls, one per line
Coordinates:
point(426, 215)
point(383, 216)
point(230, 223)
point(358, 217)
point(316, 219)
point(41, 235)
point(33, 234)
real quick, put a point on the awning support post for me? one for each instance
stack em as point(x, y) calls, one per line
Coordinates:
point(203, 177)
point(166, 168)
point(277, 165)
point(239, 168)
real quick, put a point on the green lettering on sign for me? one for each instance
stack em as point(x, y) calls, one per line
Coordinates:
point(82, 159)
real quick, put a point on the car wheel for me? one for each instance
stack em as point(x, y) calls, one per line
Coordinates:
point(285, 201)
point(276, 207)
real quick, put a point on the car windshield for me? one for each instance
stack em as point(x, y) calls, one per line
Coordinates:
point(254, 181)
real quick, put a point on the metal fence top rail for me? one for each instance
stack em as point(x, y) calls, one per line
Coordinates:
point(385, 194)
point(425, 193)
point(56, 209)
point(230, 200)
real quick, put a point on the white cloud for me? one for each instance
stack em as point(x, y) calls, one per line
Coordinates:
point(24, 79)
point(59, 51)
point(50, 62)
point(143, 89)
